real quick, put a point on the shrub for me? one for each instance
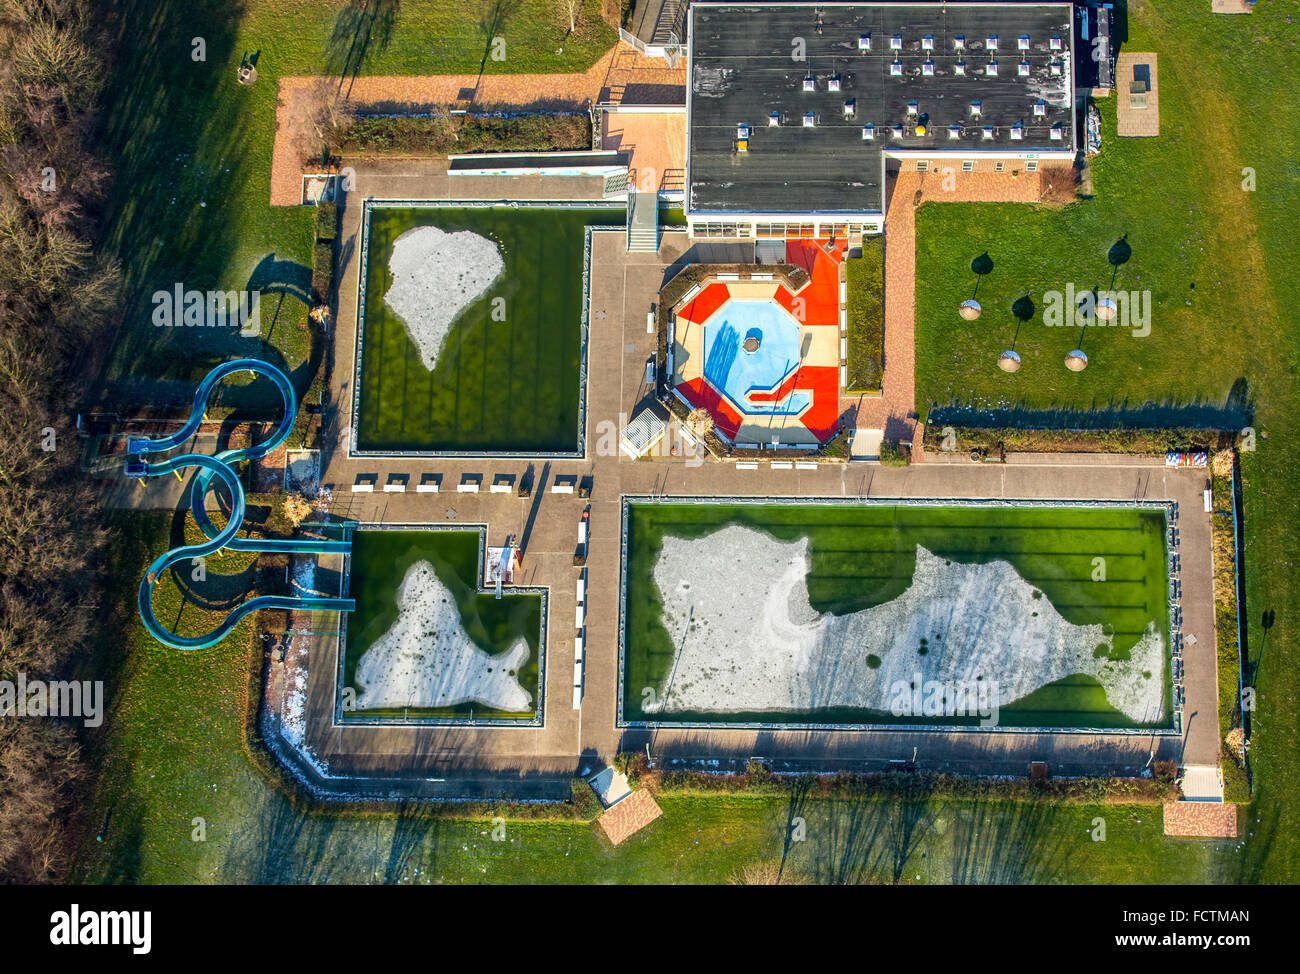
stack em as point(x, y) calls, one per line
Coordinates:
point(585, 803)
point(327, 221)
point(865, 276)
point(1165, 772)
point(322, 270)
point(894, 454)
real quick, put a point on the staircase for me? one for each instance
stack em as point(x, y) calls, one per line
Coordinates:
point(642, 222)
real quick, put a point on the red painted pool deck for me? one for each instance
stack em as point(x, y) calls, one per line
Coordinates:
point(815, 305)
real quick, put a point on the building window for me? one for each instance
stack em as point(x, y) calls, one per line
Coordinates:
point(968, 165)
point(1031, 166)
point(922, 166)
point(999, 166)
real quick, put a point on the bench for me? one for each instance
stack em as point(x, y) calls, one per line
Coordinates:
point(782, 464)
point(561, 488)
point(746, 464)
point(467, 488)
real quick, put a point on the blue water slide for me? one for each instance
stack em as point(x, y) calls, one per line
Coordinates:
point(220, 467)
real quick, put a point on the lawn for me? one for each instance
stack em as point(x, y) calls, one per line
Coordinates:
point(380, 560)
point(1208, 209)
point(508, 379)
point(865, 555)
point(190, 149)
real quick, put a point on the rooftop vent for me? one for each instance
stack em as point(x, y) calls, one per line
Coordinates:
point(959, 42)
point(975, 108)
point(868, 132)
point(991, 69)
point(991, 42)
point(1018, 131)
point(912, 108)
point(897, 131)
point(864, 42)
point(1056, 67)
point(1022, 42)
point(1023, 69)
point(988, 133)
point(1056, 43)
point(896, 69)
point(954, 131)
point(1058, 132)
point(742, 131)
point(927, 69)
point(927, 42)
point(833, 84)
point(809, 120)
point(1040, 107)
point(810, 83)
point(896, 42)
point(959, 68)
point(774, 119)
point(850, 107)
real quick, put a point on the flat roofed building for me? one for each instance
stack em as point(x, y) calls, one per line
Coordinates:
point(809, 60)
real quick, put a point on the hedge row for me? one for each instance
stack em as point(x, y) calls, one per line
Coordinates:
point(1236, 778)
point(447, 134)
point(866, 317)
point(997, 441)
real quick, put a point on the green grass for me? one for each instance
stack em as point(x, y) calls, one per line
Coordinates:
point(380, 560)
point(1232, 350)
point(506, 386)
point(862, 556)
point(190, 150)
point(866, 317)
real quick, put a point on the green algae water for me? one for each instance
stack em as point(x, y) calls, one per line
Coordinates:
point(864, 555)
point(380, 560)
point(505, 382)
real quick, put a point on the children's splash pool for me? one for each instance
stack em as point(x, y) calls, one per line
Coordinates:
point(751, 347)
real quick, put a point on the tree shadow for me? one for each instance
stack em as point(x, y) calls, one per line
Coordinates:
point(361, 28)
point(1119, 254)
point(492, 18)
point(981, 267)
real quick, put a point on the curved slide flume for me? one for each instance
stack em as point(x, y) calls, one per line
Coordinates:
point(220, 467)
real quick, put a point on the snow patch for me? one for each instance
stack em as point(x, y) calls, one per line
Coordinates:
point(748, 638)
point(436, 275)
point(427, 659)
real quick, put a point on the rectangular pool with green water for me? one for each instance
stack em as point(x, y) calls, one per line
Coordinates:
point(426, 643)
point(865, 612)
point(508, 373)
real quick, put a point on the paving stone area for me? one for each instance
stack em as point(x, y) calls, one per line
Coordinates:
point(1201, 820)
